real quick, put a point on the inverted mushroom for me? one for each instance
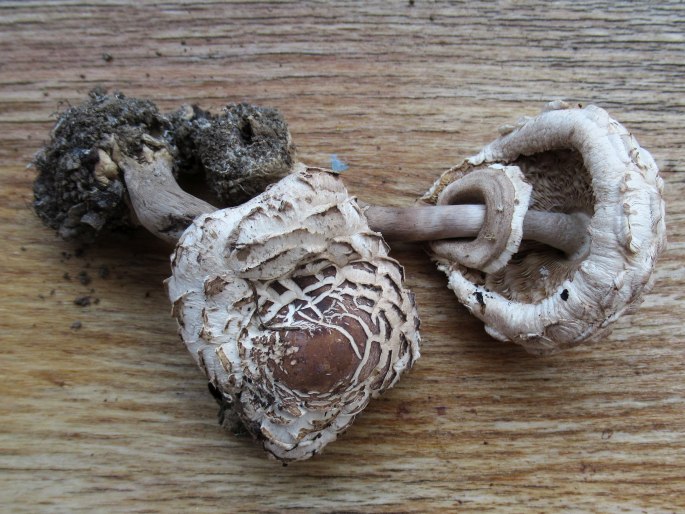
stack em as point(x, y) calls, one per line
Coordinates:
point(581, 164)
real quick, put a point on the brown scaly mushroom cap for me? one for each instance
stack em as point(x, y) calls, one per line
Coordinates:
point(583, 163)
point(292, 307)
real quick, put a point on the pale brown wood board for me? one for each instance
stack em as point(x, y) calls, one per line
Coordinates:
point(114, 417)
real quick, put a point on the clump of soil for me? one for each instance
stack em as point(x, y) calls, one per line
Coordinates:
point(68, 196)
point(236, 154)
point(240, 151)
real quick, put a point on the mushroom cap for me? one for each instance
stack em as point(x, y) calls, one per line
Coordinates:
point(579, 161)
point(292, 307)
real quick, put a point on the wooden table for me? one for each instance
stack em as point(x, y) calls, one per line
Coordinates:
point(114, 417)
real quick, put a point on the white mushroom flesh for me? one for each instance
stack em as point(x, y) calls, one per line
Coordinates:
point(294, 310)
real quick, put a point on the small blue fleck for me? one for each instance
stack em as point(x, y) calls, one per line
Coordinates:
point(337, 165)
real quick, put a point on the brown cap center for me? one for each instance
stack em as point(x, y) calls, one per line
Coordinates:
point(316, 360)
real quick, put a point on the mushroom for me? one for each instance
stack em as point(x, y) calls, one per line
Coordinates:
point(289, 303)
point(587, 170)
point(78, 191)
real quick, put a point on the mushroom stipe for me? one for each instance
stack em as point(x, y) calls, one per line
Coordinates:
point(290, 303)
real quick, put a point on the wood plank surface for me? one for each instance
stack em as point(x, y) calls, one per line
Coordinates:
point(114, 417)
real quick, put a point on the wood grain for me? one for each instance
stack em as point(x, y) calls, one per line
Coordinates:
point(113, 417)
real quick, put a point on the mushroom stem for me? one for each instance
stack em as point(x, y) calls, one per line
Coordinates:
point(566, 232)
point(161, 206)
point(164, 209)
